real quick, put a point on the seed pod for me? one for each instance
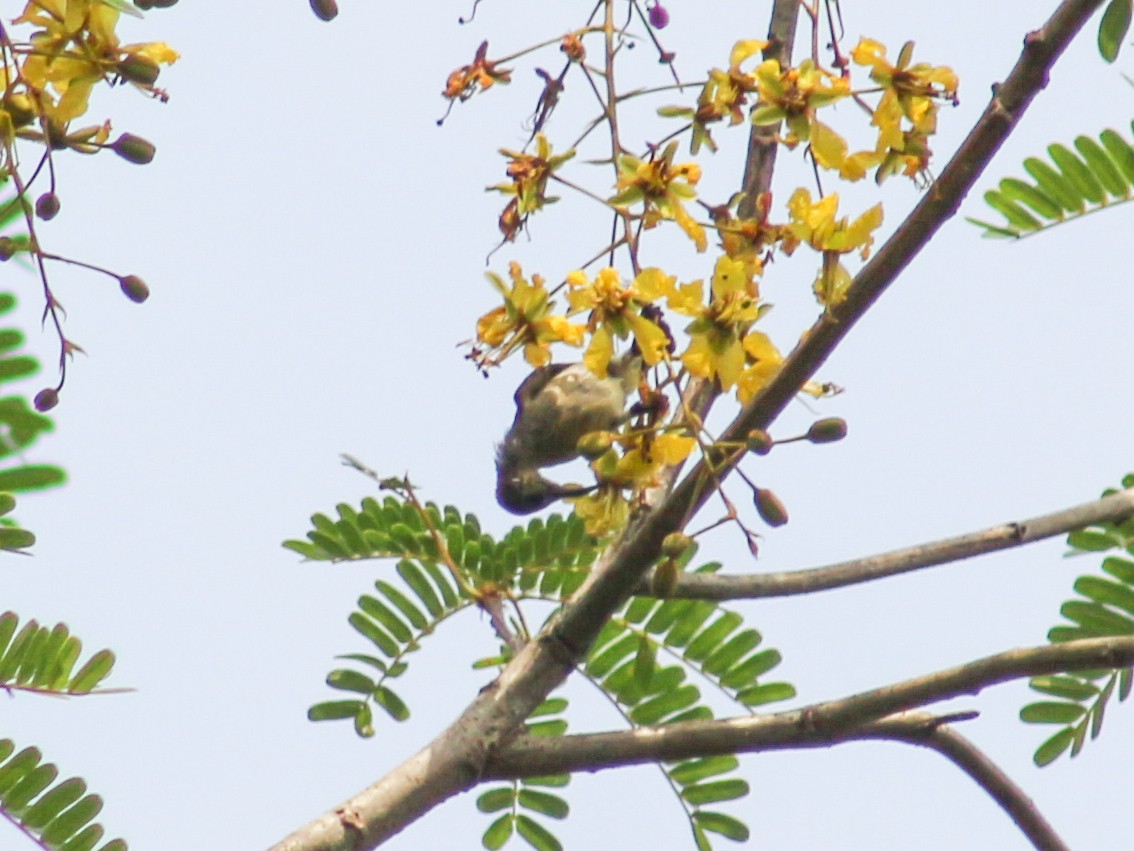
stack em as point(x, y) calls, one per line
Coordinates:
point(828, 430)
point(770, 508)
point(134, 288)
point(133, 149)
point(665, 578)
point(594, 444)
point(47, 206)
point(675, 544)
point(759, 442)
point(138, 69)
point(659, 17)
point(325, 10)
point(46, 399)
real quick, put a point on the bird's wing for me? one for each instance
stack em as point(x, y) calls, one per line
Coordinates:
point(534, 383)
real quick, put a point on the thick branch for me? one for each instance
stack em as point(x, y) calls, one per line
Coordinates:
point(455, 760)
point(706, 586)
point(817, 725)
point(929, 731)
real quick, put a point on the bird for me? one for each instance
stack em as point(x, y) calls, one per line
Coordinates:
point(555, 406)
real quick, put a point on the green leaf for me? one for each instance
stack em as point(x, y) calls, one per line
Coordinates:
point(1016, 215)
point(72, 820)
point(1102, 165)
point(725, 825)
point(712, 635)
point(393, 704)
point(1120, 568)
point(1051, 712)
point(416, 580)
point(347, 680)
point(695, 770)
point(718, 790)
point(545, 803)
point(1092, 542)
point(498, 833)
point(386, 617)
point(656, 708)
point(53, 802)
point(334, 710)
point(403, 604)
point(94, 671)
point(731, 652)
point(1106, 592)
point(1017, 190)
point(1122, 155)
point(15, 538)
point(551, 706)
point(1054, 184)
point(1054, 747)
point(766, 693)
point(31, 477)
point(1076, 171)
point(370, 630)
point(495, 800)
point(746, 672)
point(1099, 620)
point(644, 661)
point(29, 786)
point(1065, 686)
point(538, 836)
point(1113, 28)
point(554, 727)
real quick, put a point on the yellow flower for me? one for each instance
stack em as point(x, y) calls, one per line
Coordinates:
point(616, 310)
point(662, 188)
point(714, 349)
point(794, 96)
point(524, 321)
point(815, 224)
point(480, 75)
point(764, 362)
point(909, 91)
point(529, 174)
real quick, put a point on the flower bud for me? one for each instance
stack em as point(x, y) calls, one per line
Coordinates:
point(828, 430)
point(325, 10)
point(659, 17)
point(8, 247)
point(665, 578)
point(138, 69)
point(134, 288)
point(595, 444)
point(133, 148)
point(46, 399)
point(675, 544)
point(770, 508)
point(47, 206)
point(759, 442)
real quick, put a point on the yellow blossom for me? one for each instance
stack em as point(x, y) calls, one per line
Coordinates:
point(524, 321)
point(815, 224)
point(661, 187)
point(909, 91)
point(764, 362)
point(616, 310)
point(529, 174)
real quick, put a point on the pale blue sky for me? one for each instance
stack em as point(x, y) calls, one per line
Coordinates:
point(315, 246)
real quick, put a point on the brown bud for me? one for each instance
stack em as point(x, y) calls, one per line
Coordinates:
point(8, 247)
point(770, 508)
point(47, 206)
point(134, 288)
point(595, 444)
point(133, 149)
point(675, 544)
point(828, 430)
point(138, 69)
point(665, 578)
point(759, 442)
point(325, 10)
point(46, 399)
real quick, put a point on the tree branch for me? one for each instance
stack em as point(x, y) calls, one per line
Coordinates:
point(455, 760)
point(933, 732)
point(814, 726)
point(708, 586)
